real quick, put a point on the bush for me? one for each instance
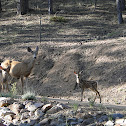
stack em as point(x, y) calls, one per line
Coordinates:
point(58, 19)
point(29, 96)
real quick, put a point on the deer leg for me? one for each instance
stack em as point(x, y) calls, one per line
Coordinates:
point(82, 92)
point(22, 85)
point(75, 86)
point(2, 87)
point(7, 88)
point(26, 83)
point(97, 93)
point(99, 96)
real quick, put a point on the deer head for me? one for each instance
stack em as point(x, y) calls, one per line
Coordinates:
point(35, 53)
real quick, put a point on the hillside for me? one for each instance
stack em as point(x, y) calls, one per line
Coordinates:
point(90, 40)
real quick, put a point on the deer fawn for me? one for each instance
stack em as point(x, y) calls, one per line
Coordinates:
point(18, 69)
point(84, 84)
point(5, 67)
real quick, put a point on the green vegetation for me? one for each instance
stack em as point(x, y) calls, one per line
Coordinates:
point(91, 102)
point(29, 96)
point(75, 107)
point(3, 94)
point(44, 99)
point(58, 19)
point(14, 89)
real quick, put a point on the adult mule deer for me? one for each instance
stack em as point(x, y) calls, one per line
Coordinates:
point(84, 84)
point(18, 69)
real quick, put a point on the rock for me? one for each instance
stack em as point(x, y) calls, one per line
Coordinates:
point(5, 101)
point(73, 123)
point(103, 118)
point(120, 121)
point(33, 107)
point(5, 111)
point(2, 124)
point(16, 107)
point(80, 120)
point(46, 107)
point(24, 115)
point(62, 106)
point(53, 123)
point(86, 116)
point(87, 122)
point(54, 109)
point(8, 118)
point(118, 115)
point(61, 118)
point(16, 121)
point(45, 121)
point(31, 122)
point(109, 123)
point(71, 120)
point(39, 113)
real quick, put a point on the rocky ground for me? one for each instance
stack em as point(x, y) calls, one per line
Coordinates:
point(50, 112)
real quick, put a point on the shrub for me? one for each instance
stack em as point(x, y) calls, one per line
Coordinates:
point(58, 19)
point(29, 96)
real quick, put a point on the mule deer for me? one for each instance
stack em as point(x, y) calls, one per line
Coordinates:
point(5, 67)
point(84, 84)
point(18, 69)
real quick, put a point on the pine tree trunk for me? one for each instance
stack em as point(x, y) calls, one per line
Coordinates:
point(123, 5)
point(22, 6)
point(50, 4)
point(119, 11)
point(0, 7)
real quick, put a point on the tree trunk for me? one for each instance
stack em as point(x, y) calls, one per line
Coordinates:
point(22, 6)
point(50, 4)
point(95, 3)
point(119, 11)
point(0, 7)
point(123, 5)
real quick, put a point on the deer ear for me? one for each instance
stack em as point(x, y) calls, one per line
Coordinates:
point(1, 67)
point(81, 72)
point(37, 48)
point(75, 72)
point(29, 49)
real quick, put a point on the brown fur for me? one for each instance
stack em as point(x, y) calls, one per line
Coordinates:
point(18, 69)
point(84, 84)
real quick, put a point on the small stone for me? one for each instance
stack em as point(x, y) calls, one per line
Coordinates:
point(109, 123)
point(35, 106)
point(62, 106)
point(45, 121)
point(46, 107)
point(87, 122)
point(53, 123)
point(54, 109)
point(103, 118)
point(5, 111)
point(38, 113)
point(8, 118)
point(5, 101)
point(24, 116)
point(120, 121)
point(16, 107)
point(117, 116)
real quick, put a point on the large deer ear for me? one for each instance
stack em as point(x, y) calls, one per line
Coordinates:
point(1, 67)
point(29, 49)
point(37, 48)
point(75, 72)
point(81, 72)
